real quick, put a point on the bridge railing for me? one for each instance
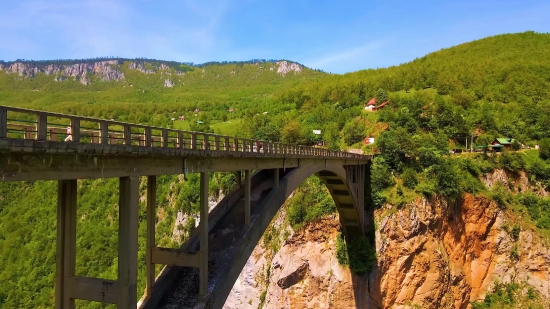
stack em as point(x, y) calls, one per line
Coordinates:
point(22, 123)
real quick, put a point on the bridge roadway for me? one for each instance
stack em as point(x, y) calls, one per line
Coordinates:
point(206, 267)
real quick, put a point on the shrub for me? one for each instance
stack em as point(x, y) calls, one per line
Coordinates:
point(515, 232)
point(381, 176)
point(511, 162)
point(544, 149)
point(446, 180)
point(500, 194)
point(469, 183)
point(516, 145)
point(514, 253)
point(426, 188)
point(341, 250)
point(532, 202)
point(362, 255)
point(409, 178)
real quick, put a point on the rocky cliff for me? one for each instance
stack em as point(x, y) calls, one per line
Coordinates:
point(110, 70)
point(444, 255)
point(105, 70)
point(431, 254)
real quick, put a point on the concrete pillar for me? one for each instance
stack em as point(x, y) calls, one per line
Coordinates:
point(128, 242)
point(150, 243)
point(66, 243)
point(276, 178)
point(239, 179)
point(203, 226)
point(247, 197)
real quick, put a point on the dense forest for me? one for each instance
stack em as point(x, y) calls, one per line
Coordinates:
point(454, 99)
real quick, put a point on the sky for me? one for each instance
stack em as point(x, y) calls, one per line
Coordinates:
point(335, 36)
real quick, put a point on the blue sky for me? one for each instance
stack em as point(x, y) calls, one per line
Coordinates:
point(335, 36)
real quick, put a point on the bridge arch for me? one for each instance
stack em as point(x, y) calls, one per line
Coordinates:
point(344, 192)
point(345, 184)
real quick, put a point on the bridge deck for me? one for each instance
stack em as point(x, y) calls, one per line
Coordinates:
point(36, 150)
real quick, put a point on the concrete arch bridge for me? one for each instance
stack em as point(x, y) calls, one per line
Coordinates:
point(202, 272)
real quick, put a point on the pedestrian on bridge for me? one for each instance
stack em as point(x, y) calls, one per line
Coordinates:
point(69, 137)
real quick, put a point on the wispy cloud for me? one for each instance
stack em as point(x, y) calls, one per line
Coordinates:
point(359, 53)
point(94, 28)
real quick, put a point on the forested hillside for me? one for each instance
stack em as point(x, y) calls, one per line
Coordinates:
point(475, 92)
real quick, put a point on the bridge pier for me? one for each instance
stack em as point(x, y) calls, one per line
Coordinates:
point(66, 243)
point(203, 253)
point(150, 241)
point(128, 241)
point(68, 286)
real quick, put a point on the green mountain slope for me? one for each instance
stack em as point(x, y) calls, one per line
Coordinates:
point(498, 86)
point(136, 89)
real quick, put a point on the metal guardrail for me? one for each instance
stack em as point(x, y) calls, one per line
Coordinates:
point(20, 123)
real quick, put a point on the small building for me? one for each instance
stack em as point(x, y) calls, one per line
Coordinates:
point(381, 105)
point(182, 118)
point(231, 109)
point(370, 106)
point(369, 140)
point(502, 142)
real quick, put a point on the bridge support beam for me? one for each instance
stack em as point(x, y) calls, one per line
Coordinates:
point(66, 243)
point(276, 178)
point(128, 242)
point(239, 179)
point(203, 225)
point(247, 197)
point(150, 242)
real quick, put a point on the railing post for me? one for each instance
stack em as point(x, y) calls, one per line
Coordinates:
point(3, 122)
point(206, 142)
point(75, 129)
point(127, 135)
point(203, 230)
point(193, 140)
point(104, 133)
point(150, 241)
point(226, 144)
point(180, 140)
point(41, 127)
point(217, 141)
point(148, 140)
point(128, 222)
point(164, 138)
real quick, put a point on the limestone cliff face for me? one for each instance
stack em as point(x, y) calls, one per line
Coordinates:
point(431, 254)
point(105, 70)
point(440, 255)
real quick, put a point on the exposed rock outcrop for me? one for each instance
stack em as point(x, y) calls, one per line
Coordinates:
point(168, 83)
point(107, 70)
point(437, 254)
point(140, 67)
point(431, 253)
point(284, 67)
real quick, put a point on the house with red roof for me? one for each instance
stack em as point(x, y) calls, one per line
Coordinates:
point(370, 106)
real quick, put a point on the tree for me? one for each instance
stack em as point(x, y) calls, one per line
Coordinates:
point(381, 95)
point(292, 132)
point(354, 131)
point(544, 149)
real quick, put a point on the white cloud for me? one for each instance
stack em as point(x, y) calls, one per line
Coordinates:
point(346, 57)
point(91, 28)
